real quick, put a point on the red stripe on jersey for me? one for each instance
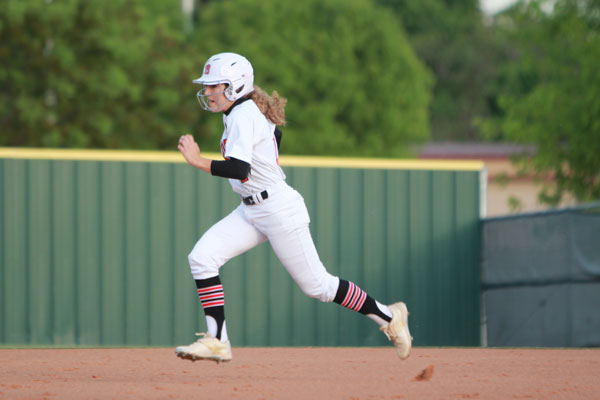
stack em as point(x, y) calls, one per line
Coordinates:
point(223, 143)
point(276, 150)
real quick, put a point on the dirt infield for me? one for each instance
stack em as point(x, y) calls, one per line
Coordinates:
point(301, 373)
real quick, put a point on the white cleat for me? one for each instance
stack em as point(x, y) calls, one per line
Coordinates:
point(397, 330)
point(206, 348)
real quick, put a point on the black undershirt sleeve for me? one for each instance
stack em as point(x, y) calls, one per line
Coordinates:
point(231, 168)
point(278, 134)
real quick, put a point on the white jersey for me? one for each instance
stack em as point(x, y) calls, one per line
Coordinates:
point(249, 136)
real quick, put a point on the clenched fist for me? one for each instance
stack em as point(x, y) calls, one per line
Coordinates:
point(191, 152)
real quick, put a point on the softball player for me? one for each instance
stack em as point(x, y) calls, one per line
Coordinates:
point(269, 210)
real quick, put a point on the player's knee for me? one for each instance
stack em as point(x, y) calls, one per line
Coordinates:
point(201, 266)
point(315, 293)
point(323, 290)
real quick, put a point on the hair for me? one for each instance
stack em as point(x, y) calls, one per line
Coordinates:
point(273, 106)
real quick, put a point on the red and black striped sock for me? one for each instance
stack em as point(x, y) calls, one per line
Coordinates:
point(351, 296)
point(212, 297)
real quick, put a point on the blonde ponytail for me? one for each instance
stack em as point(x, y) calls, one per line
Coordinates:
point(273, 107)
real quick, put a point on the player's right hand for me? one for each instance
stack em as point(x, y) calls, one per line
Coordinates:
point(190, 150)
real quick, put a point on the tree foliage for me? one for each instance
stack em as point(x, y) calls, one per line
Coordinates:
point(354, 85)
point(550, 93)
point(91, 74)
point(464, 56)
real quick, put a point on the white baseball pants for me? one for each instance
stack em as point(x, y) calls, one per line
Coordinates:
point(283, 220)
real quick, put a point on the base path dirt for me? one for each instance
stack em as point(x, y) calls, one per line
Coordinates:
point(301, 373)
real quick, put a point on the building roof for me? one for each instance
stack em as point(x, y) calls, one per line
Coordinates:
point(472, 150)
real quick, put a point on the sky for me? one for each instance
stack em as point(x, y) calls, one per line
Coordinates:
point(493, 6)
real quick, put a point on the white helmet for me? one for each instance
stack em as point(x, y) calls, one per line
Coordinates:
point(231, 69)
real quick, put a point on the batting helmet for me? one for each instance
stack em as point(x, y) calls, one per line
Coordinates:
point(231, 69)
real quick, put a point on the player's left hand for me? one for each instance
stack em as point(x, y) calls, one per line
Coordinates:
point(190, 150)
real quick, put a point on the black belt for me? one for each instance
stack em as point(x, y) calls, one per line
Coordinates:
point(249, 201)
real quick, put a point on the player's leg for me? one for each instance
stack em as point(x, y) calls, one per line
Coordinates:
point(296, 251)
point(231, 236)
point(290, 237)
point(288, 232)
point(299, 256)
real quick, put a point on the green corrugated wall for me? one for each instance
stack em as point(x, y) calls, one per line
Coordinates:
point(94, 252)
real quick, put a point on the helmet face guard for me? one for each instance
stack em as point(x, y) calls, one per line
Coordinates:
point(203, 99)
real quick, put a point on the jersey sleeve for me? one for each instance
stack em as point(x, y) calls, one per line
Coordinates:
point(240, 138)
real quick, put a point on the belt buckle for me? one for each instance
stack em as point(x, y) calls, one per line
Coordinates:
point(255, 198)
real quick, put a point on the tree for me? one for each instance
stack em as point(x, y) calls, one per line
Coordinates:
point(93, 73)
point(354, 85)
point(550, 95)
point(90, 73)
point(463, 54)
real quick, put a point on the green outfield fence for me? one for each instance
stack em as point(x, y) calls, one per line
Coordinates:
point(94, 244)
